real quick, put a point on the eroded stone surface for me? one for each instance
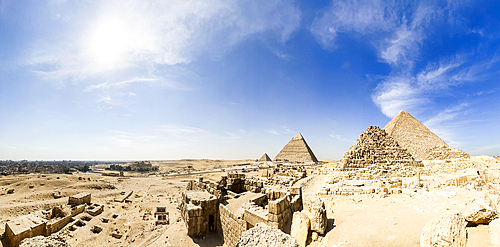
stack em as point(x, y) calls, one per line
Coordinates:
point(480, 210)
point(446, 230)
point(301, 226)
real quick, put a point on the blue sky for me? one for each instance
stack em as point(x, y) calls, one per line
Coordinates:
point(108, 80)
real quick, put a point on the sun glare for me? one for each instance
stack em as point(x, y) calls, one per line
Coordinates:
point(108, 43)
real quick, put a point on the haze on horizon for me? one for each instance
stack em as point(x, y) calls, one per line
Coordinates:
point(132, 80)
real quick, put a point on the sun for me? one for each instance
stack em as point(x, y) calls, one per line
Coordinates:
point(108, 42)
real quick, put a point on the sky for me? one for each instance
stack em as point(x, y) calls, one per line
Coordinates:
point(223, 79)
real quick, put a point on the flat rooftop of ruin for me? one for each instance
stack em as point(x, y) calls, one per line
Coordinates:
point(200, 195)
point(235, 204)
point(24, 223)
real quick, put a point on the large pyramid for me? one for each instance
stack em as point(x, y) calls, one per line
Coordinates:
point(374, 147)
point(265, 157)
point(296, 150)
point(419, 140)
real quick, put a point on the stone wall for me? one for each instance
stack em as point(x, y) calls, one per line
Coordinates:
point(199, 210)
point(231, 226)
point(79, 199)
point(56, 224)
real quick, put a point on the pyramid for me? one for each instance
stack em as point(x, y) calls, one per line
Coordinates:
point(375, 147)
point(419, 140)
point(265, 158)
point(296, 150)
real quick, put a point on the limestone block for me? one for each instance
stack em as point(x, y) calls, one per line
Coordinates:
point(273, 207)
point(495, 231)
point(301, 227)
point(318, 216)
point(272, 217)
point(480, 210)
point(446, 230)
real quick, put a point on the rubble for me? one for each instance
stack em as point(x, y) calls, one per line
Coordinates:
point(265, 236)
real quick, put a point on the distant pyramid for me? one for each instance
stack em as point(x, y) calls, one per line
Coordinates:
point(265, 158)
point(419, 140)
point(296, 150)
point(375, 147)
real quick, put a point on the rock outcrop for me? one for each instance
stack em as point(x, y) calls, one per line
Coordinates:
point(480, 210)
point(447, 230)
point(263, 235)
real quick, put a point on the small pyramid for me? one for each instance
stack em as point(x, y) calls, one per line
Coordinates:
point(419, 140)
point(296, 150)
point(375, 147)
point(265, 158)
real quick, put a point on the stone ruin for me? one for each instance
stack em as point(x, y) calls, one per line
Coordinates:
point(296, 150)
point(419, 140)
point(376, 152)
point(50, 221)
point(235, 204)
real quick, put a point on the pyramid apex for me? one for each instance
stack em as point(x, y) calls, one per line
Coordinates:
point(298, 136)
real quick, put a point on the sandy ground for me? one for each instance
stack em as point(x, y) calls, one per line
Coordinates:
point(359, 220)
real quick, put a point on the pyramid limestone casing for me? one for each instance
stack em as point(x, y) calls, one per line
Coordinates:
point(296, 150)
point(265, 157)
point(375, 147)
point(419, 140)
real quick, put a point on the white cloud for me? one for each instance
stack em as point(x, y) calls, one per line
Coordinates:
point(112, 35)
point(407, 92)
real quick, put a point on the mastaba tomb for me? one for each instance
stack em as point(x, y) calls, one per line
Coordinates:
point(235, 204)
point(50, 221)
point(296, 150)
point(420, 142)
point(265, 157)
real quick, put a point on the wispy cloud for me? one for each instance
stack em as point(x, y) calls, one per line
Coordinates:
point(446, 115)
point(107, 85)
point(338, 137)
point(115, 35)
point(353, 16)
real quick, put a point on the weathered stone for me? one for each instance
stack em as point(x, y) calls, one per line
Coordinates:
point(480, 210)
point(301, 226)
point(263, 235)
point(446, 230)
point(495, 231)
point(318, 216)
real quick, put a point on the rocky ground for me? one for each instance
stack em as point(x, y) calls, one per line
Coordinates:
point(355, 220)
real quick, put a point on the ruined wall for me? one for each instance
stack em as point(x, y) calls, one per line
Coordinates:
point(281, 209)
point(198, 213)
point(231, 226)
point(56, 224)
point(79, 199)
